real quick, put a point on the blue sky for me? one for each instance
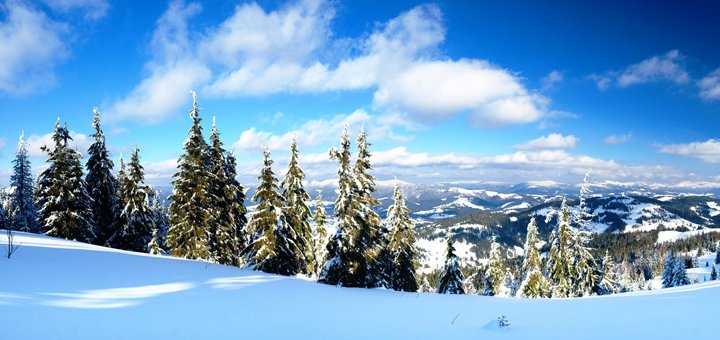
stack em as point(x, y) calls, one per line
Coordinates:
point(448, 90)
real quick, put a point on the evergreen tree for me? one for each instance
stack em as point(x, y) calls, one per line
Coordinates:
point(137, 220)
point(495, 273)
point(402, 244)
point(296, 212)
point(222, 228)
point(560, 264)
point(65, 205)
point(679, 274)
point(668, 276)
point(190, 208)
point(154, 245)
point(713, 274)
point(607, 282)
point(584, 266)
point(717, 256)
point(271, 249)
point(23, 212)
point(321, 234)
point(534, 285)
point(161, 220)
point(236, 203)
point(101, 185)
point(451, 279)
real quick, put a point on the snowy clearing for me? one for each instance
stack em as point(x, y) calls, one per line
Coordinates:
point(67, 290)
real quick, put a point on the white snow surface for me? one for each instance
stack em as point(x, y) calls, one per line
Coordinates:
point(57, 289)
point(673, 236)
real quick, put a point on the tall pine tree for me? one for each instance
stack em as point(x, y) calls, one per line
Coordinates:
point(402, 244)
point(65, 205)
point(190, 208)
point(297, 214)
point(137, 220)
point(102, 186)
point(495, 273)
point(321, 234)
point(561, 269)
point(534, 284)
point(451, 278)
point(23, 211)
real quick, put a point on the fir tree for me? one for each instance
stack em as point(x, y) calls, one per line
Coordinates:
point(65, 205)
point(321, 234)
point(534, 284)
point(717, 256)
point(679, 274)
point(101, 185)
point(495, 273)
point(607, 282)
point(668, 276)
point(451, 279)
point(137, 220)
point(296, 212)
point(190, 205)
point(154, 245)
point(161, 220)
point(23, 212)
point(713, 274)
point(222, 228)
point(584, 266)
point(560, 264)
point(402, 244)
point(236, 204)
point(271, 249)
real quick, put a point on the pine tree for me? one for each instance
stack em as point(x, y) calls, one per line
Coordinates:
point(222, 228)
point(495, 273)
point(161, 220)
point(402, 244)
point(190, 208)
point(679, 274)
point(321, 234)
point(713, 274)
point(607, 282)
point(534, 284)
point(23, 212)
point(717, 257)
point(451, 279)
point(584, 266)
point(154, 245)
point(338, 263)
point(101, 185)
point(560, 264)
point(137, 220)
point(271, 249)
point(296, 212)
point(65, 205)
point(236, 203)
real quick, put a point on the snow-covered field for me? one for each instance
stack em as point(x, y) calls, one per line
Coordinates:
point(56, 289)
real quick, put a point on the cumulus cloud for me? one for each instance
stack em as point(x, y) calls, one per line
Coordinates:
point(91, 9)
point(32, 45)
point(551, 141)
point(246, 55)
point(617, 139)
point(550, 80)
point(708, 150)
point(665, 67)
point(79, 142)
point(710, 86)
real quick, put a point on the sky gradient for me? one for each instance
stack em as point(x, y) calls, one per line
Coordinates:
point(448, 90)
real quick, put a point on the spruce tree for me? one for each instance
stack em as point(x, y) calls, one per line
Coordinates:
point(584, 266)
point(65, 205)
point(717, 256)
point(236, 204)
point(136, 220)
point(190, 204)
point(713, 274)
point(161, 219)
point(534, 285)
point(679, 274)
point(271, 250)
point(402, 244)
point(154, 245)
point(296, 212)
point(222, 228)
point(321, 234)
point(23, 211)
point(607, 282)
point(495, 273)
point(101, 185)
point(560, 264)
point(451, 278)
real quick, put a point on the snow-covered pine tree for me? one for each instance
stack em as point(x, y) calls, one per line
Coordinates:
point(584, 266)
point(137, 220)
point(237, 202)
point(154, 245)
point(271, 249)
point(425, 286)
point(402, 244)
point(560, 264)
point(338, 265)
point(101, 185)
point(713, 274)
point(23, 213)
point(296, 212)
point(161, 218)
point(451, 278)
point(668, 276)
point(65, 206)
point(321, 234)
point(607, 280)
point(190, 207)
point(495, 273)
point(368, 246)
point(222, 228)
point(534, 284)
point(679, 274)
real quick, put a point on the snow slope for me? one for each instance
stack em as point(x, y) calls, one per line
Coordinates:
point(66, 290)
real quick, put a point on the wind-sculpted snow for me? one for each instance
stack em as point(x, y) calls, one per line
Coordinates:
point(57, 289)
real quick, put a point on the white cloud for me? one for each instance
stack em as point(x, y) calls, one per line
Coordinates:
point(93, 9)
point(160, 172)
point(32, 45)
point(617, 139)
point(666, 67)
point(551, 141)
point(550, 80)
point(710, 86)
point(79, 142)
point(708, 150)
